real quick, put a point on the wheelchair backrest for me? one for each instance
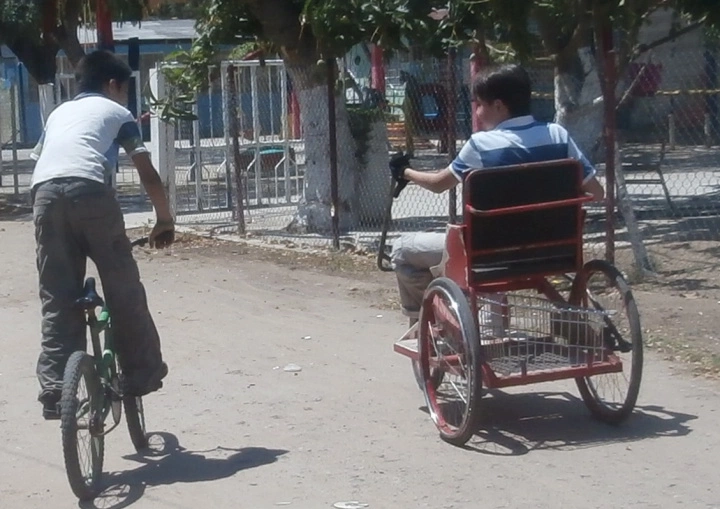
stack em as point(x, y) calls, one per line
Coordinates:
point(524, 219)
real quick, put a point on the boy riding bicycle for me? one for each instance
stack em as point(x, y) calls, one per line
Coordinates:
point(510, 135)
point(77, 216)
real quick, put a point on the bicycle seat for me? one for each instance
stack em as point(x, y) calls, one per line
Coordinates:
point(90, 298)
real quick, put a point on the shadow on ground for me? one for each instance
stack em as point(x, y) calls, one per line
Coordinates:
point(517, 424)
point(167, 462)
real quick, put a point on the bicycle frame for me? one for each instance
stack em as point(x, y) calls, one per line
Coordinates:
point(105, 359)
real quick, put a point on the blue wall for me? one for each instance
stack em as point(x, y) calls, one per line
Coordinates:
point(211, 124)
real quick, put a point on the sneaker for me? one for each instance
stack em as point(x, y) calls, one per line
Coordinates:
point(143, 383)
point(51, 406)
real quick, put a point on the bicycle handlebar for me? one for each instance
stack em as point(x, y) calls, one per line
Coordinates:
point(383, 259)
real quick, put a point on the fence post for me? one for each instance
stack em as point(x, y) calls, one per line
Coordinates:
point(226, 107)
point(608, 83)
point(162, 140)
point(451, 124)
point(377, 78)
point(235, 137)
point(707, 131)
point(476, 64)
point(671, 131)
point(332, 131)
point(13, 134)
point(712, 101)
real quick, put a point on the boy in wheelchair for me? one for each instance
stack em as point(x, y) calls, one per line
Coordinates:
point(510, 135)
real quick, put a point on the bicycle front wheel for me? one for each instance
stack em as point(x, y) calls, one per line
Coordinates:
point(81, 411)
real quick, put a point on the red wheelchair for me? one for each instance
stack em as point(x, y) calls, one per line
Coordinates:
point(517, 304)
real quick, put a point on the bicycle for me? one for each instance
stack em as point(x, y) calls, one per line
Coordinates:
point(102, 396)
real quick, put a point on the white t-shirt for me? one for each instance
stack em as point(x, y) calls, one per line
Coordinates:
point(82, 139)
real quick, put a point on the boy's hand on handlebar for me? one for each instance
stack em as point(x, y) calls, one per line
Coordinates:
point(398, 164)
point(163, 234)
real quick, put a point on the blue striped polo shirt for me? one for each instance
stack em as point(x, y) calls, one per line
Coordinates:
point(518, 140)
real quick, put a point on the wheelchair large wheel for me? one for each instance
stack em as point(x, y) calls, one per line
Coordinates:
point(449, 335)
point(611, 397)
point(436, 374)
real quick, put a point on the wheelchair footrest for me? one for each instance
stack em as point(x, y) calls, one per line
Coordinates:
point(407, 347)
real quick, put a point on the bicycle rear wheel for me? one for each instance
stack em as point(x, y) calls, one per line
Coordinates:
point(81, 411)
point(135, 417)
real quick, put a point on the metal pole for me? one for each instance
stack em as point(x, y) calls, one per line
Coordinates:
point(226, 106)
point(712, 102)
point(451, 121)
point(2, 84)
point(235, 137)
point(13, 133)
point(197, 150)
point(103, 18)
point(256, 133)
point(285, 132)
point(335, 207)
point(476, 64)
point(377, 78)
point(610, 141)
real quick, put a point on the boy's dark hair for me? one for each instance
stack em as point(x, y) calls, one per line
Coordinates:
point(96, 69)
point(508, 83)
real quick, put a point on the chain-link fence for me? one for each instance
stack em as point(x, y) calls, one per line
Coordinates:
point(14, 171)
point(247, 103)
point(258, 154)
point(283, 157)
point(667, 129)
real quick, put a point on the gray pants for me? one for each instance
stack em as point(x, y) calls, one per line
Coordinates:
point(76, 219)
point(413, 255)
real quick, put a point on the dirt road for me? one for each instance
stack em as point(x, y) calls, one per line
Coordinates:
point(240, 432)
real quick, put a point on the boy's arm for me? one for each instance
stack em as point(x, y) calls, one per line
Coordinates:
point(35, 154)
point(156, 192)
point(436, 181)
point(594, 188)
point(590, 184)
point(444, 180)
point(130, 139)
point(153, 186)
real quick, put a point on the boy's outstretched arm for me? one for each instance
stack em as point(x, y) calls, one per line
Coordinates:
point(594, 188)
point(154, 187)
point(435, 181)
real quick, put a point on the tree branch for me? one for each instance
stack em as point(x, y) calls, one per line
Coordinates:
point(644, 48)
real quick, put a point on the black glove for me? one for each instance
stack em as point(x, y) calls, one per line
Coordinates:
point(398, 164)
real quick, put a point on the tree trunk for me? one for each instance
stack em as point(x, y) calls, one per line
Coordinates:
point(373, 178)
point(314, 212)
point(303, 59)
point(362, 180)
point(38, 58)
